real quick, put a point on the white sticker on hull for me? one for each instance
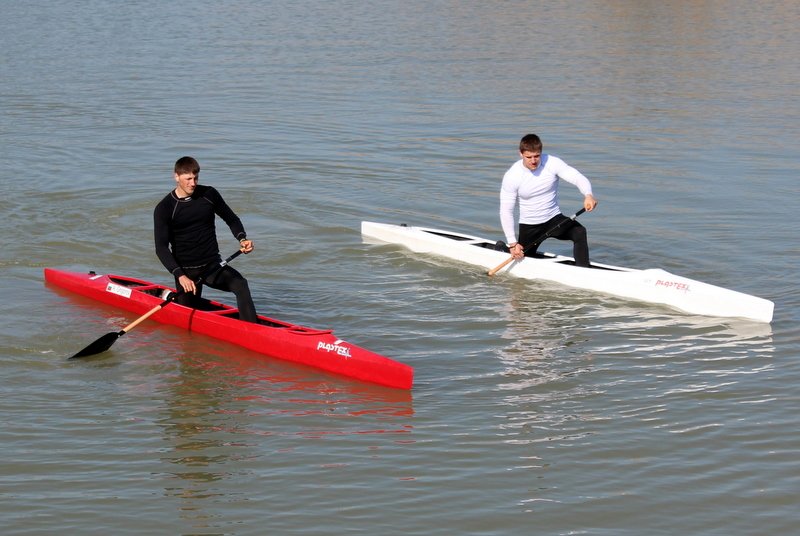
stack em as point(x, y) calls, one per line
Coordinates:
point(119, 290)
point(335, 347)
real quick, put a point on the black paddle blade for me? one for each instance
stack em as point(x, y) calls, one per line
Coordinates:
point(100, 345)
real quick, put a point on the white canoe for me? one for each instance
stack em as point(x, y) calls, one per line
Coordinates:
point(652, 285)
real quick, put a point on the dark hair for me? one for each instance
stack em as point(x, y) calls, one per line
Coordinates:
point(530, 142)
point(187, 164)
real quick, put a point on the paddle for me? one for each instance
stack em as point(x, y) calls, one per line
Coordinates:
point(536, 242)
point(104, 343)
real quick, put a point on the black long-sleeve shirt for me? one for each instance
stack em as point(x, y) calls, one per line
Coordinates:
point(185, 232)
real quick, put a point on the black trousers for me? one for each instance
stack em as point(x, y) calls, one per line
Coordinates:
point(227, 279)
point(569, 230)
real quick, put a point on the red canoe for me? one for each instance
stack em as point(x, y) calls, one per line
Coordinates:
point(313, 347)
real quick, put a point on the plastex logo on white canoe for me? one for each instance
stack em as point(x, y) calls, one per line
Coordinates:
point(335, 347)
point(677, 285)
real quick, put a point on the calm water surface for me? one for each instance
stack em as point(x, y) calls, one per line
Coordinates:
point(536, 409)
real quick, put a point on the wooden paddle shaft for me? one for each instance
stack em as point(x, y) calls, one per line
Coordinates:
point(499, 267)
point(538, 241)
point(161, 305)
point(144, 317)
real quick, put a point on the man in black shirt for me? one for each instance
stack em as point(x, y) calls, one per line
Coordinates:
point(186, 239)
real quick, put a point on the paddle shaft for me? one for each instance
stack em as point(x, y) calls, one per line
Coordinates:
point(104, 343)
point(145, 316)
point(171, 297)
point(535, 243)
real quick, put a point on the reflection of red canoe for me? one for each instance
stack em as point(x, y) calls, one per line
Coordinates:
point(313, 347)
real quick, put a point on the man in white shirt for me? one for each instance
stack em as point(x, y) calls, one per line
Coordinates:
point(533, 181)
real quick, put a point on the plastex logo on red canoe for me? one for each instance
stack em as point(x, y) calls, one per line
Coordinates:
point(335, 347)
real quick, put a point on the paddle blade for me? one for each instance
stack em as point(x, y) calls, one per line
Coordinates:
point(100, 345)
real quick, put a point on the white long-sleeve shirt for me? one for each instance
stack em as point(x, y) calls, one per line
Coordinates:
point(537, 192)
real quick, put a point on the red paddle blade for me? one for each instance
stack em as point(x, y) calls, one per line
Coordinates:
point(100, 345)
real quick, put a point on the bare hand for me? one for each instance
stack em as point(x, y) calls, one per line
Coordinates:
point(246, 246)
point(187, 284)
point(589, 202)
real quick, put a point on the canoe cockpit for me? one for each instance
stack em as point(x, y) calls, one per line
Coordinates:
point(501, 246)
point(497, 246)
point(206, 305)
point(161, 292)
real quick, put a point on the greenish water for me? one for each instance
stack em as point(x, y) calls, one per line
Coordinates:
point(536, 409)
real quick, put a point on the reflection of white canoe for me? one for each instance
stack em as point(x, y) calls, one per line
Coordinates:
point(651, 285)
